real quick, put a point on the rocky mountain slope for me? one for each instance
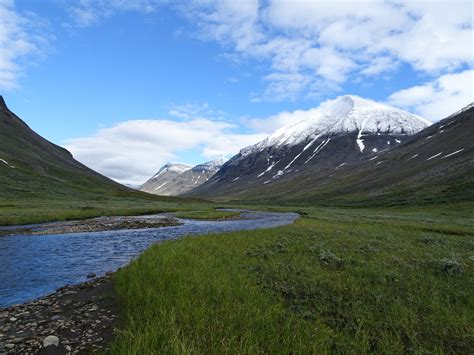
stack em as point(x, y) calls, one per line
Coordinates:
point(347, 130)
point(176, 179)
point(157, 184)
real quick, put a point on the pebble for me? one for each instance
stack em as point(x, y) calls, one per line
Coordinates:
point(50, 340)
point(26, 328)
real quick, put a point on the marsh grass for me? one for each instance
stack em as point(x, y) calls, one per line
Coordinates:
point(325, 284)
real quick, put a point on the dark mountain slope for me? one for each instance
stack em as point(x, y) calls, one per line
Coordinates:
point(435, 165)
point(42, 181)
point(31, 165)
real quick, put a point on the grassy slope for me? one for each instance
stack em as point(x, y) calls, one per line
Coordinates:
point(28, 197)
point(338, 280)
point(43, 182)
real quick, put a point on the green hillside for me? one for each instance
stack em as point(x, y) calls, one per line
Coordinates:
point(40, 181)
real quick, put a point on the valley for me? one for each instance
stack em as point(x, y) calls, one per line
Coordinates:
point(378, 259)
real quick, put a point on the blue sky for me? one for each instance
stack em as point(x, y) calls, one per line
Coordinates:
point(129, 85)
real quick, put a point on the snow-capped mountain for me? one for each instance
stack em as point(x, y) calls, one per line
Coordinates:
point(176, 179)
point(163, 177)
point(345, 114)
point(340, 131)
point(435, 165)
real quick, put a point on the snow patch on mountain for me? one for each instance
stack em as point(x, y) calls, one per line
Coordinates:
point(172, 167)
point(345, 114)
point(176, 178)
point(213, 165)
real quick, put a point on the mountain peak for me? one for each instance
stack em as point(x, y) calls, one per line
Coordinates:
point(213, 165)
point(345, 114)
point(175, 178)
point(172, 167)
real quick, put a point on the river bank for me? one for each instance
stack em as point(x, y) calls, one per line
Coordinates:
point(76, 319)
point(81, 318)
point(99, 224)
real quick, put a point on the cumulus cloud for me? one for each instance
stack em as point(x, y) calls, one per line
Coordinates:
point(130, 152)
point(439, 98)
point(313, 46)
point(23, 40)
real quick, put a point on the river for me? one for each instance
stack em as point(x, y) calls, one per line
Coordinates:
point(32, 266)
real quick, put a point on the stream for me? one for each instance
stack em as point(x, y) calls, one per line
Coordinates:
point(32, 266)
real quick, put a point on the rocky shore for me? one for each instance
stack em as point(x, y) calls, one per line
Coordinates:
point(99, 224)
point(76, 319)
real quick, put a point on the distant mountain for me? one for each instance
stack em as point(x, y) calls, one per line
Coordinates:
point(347, 130)
point(31, 166)
point(176, 179)
point(157, 184)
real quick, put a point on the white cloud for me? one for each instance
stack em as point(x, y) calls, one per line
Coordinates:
point(196, 110)
point(23, 40)
point(270, 124)
point(313, 46)
point(90, 12)
point(132, 151)
point(439, 98)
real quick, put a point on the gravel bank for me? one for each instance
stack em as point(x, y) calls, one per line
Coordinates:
point(76, 319)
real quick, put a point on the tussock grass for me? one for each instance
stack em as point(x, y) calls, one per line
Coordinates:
point(323, 285)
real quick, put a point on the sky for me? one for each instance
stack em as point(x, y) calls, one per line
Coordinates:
point(128, 85)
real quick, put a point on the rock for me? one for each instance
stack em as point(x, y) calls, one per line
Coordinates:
point(56, 317)
point(13, 319)
point(50, 340)
point(9, 346)
point(91, 275)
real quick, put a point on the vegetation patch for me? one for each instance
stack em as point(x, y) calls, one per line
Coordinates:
point(209, 214)
point(336, 281)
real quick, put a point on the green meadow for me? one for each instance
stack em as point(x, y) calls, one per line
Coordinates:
point(336, 281)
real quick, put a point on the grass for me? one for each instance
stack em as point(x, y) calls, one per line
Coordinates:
point(35, 211)
point(209, 214)
point(337, 281)
point(25, 210)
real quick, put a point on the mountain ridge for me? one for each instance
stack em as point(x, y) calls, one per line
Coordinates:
point(347, 128)
point(344, 171)
point(174, 179)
